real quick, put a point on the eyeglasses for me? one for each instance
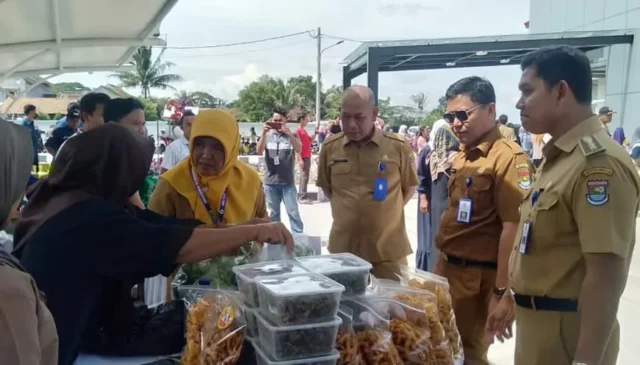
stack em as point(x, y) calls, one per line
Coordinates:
point(461, 115)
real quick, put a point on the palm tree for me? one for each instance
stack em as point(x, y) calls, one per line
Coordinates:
point(148, 74)
point(420, 99)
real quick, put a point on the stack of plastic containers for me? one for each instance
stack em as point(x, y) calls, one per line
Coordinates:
point(246, 276)
point(297, 321)
point(348, 270)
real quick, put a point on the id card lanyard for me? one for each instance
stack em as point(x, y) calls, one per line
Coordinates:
point(465, 205)
point(525, 236)
point(380, 184)
point(276, 158)
point(223, 202)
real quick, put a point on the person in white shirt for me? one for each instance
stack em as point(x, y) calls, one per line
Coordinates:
point(178, 150)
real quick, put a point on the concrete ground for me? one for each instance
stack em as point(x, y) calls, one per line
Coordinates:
point(317, 222)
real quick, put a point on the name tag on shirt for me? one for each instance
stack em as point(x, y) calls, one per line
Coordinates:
point(380, 189)
point(524, 238)
point(276, 161)
point(464, 210)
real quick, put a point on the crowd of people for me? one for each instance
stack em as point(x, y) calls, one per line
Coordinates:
point(535, 224)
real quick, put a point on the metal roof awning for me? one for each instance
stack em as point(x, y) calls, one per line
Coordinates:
point(430, 54)
point(52, 37)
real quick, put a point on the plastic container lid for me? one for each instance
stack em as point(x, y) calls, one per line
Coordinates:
point(299, 285)
point(328, 358)
point(252, 271)
point(340, 262)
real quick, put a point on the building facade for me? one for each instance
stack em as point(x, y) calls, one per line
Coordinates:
point(616, 68)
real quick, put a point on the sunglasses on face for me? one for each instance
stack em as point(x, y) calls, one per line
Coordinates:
point(461, 115)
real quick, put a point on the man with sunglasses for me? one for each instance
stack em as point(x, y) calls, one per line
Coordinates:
point(577, 229)
point(489, 177)
point(368, 176)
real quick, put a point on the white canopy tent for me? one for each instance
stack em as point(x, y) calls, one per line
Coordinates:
point(52, 37)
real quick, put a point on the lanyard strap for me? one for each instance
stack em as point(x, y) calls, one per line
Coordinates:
point(223, 202)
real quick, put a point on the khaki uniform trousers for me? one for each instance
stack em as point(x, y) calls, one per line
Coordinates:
point(389, 269)
point(551, 338)
point(471, 289)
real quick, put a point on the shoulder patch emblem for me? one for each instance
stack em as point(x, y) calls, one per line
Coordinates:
point(597, 171)
point(524, 177)
point(590, 146)
point(597, 193)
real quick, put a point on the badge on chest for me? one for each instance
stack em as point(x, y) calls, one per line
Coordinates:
point(380, 184)
point(465, 205)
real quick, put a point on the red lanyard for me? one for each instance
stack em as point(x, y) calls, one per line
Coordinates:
point(223, 202)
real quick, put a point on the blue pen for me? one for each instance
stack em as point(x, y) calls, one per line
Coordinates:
point(534, 198)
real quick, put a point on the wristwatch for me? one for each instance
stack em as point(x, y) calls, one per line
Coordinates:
point(500, 292)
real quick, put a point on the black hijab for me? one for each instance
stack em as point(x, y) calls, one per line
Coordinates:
point(109, 162)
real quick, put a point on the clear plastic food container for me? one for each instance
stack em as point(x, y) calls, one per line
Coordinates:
point(345, 268)
point(247, 274)
point(299, 298)
point(297, 342)
point(263, 359)
point(252, 321)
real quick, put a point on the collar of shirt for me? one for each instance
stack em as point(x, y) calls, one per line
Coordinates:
point(376, 138)
point(568, 141)
point(485, 143)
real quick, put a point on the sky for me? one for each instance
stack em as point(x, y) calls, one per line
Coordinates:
point(223, 72)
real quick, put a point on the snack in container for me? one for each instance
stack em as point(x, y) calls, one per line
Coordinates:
point(345, 268)
point(439, 286)
point(246, 276)
point(425, 301)
point(301, 245)
point(346, 341)
point(215, 328)
point(263, 359)
point(283, 343)
point(410, 331)
point(374, 338)
point(299, 298)
point(252, 321)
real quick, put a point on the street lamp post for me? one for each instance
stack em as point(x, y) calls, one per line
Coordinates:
point(319, 75)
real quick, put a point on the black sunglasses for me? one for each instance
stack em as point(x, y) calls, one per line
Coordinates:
point(461, 115)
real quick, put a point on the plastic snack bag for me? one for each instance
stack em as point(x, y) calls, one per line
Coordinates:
point(346, 341)
point(372, 333)
point(410, 331)
point(215, 328)
point(427, 302)
point(439, 286)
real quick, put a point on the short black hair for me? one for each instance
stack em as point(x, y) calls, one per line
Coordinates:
point(335, 129)
point(90, 102)
point(503, 119)
point(187, 113)
point(556, 63)
point(29, 108)
point(118, 108)
point(479, 90)
point(280, 111)
point(301, 116)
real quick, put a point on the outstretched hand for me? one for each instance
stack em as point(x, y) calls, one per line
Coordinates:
point(274, 233)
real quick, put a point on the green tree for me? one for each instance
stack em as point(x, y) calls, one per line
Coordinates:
point(150, 109)
point(148, 74)
point(420, 99)
point(68, 88)
point(436, 113)
point(332, 99)
point(202, 99)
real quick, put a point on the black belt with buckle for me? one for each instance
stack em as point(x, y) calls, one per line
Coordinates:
point(546, 303)
point(470, 263)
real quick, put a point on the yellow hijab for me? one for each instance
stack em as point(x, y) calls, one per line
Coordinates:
point(241, 180)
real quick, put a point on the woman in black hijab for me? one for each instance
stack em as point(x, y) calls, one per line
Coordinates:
point(85, 244)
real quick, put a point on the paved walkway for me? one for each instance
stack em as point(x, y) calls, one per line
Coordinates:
point(317, 221)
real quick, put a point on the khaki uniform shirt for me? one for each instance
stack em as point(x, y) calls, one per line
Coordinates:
point(373, 230)
point(508, 133)
point(500, 174)
point(587, 198)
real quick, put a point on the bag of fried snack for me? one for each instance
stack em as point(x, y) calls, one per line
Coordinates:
point(346, 341)
point(439, 286)
point(426, 302)
point(409, 330)
point(215, 329)
point(373, 334)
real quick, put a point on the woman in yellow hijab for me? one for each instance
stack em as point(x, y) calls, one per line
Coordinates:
point(211, 184)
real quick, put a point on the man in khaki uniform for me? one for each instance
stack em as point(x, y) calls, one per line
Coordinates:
point(368, 175)
point(489, 177)
point(507, 132)
point(577, 231)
